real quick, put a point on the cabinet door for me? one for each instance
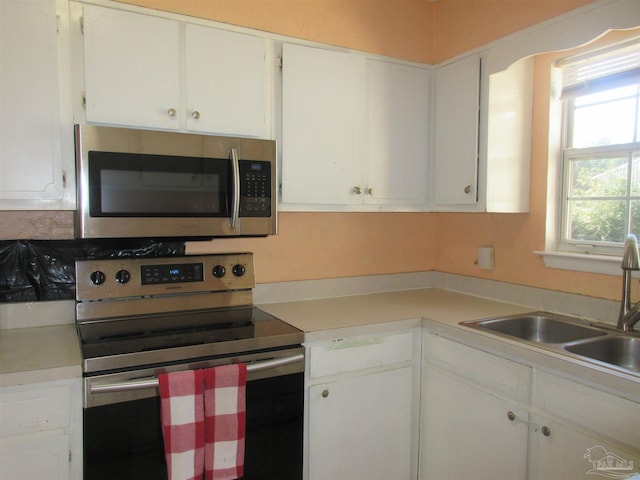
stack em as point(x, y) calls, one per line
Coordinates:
point(560, 451)
point(457, 87)
point(131, 69)
point(323, 122)
point(360, 428)
point(33, 134)
point(468, 433)
point(225, 82)
point(37, 456)
point(398, 133)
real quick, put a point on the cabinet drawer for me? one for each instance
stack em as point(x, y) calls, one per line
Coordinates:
point(602, 412)
point(492, 372)
point(358, 353)
point(33, 409)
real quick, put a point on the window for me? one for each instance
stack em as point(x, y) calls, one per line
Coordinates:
point(601, 150)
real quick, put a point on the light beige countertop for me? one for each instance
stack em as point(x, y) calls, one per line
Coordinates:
point(39, 354)
point(315, 316)
point(440, 311)
point(46, 353)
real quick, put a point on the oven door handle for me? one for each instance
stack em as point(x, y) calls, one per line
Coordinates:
point(153, 382)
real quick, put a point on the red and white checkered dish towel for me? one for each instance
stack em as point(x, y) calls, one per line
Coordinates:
point(182, 414)
point(225, 421)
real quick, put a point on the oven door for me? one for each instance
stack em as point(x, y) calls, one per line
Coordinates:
point(123, 435)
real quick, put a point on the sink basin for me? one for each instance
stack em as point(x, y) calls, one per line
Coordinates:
point(540, 328)
point(621, 351)
point(600, 344)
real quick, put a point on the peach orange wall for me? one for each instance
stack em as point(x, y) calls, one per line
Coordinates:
point(516, 236)
point(327, 245)
point(415, 30)
point(462, 25)
point(399, 28)
point(324, 245)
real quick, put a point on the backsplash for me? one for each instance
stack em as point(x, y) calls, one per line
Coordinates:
point(37, 224)
point(38, 270)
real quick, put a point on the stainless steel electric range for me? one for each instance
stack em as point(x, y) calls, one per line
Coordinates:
point(139, 317)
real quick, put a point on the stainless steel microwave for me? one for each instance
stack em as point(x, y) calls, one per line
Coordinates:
point(142, 183)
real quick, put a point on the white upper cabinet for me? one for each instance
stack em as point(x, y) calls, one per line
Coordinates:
point(225, 82)
point(455, 132)
point(482, 154)
point(355, 130)
point(152, 72)
point(398, 133)
point(508, 138)
point(132, 69)
point(323, 130)
point(36, 135)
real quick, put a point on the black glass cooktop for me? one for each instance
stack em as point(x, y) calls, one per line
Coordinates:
point(176, 337)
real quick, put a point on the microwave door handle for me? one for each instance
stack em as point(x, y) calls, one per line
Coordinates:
point(235, 178)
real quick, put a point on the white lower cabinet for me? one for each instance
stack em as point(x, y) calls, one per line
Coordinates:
point(484, 416)
point(41, 431)
point(470, 433)
point(579, 431)
point(363, 399)
point(562, 451)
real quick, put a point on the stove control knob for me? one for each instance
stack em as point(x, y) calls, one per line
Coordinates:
point(97, 277)
point(219, 271)
point(239, 270)
point(123, 276)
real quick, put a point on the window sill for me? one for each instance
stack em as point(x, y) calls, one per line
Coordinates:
point(581, 262)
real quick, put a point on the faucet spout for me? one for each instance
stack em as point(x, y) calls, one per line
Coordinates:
point(629, 315)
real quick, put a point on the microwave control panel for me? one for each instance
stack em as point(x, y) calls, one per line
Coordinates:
point(255, 188)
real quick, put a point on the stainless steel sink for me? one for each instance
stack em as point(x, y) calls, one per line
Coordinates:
point(621, 351)
point(540, 328)
point(600, 344)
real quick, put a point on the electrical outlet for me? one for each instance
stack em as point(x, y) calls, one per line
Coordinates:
point(486, 258)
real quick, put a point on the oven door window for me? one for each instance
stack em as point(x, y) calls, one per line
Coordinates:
point(140, 185)
point(124, 440)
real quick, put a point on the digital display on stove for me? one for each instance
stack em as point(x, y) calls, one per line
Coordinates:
point(171, 273)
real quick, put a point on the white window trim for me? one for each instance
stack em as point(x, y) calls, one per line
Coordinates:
point(582, 262)
point(553, 256)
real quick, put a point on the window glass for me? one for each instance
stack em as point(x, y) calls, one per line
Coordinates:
point(605, 118)
point(601, 163)
point(598, 177)
point(597, 221)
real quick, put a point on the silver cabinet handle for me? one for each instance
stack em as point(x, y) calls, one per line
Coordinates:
point(370, 191)
point(467, 189)
point(235, 200)
point(511, 416)
point(546, 431)
point(325, 393)
point(153, 382)
point(195, 115)
point(171, 112)
point(357, 190)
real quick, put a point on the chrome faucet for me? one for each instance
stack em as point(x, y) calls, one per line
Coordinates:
point(629, 314)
